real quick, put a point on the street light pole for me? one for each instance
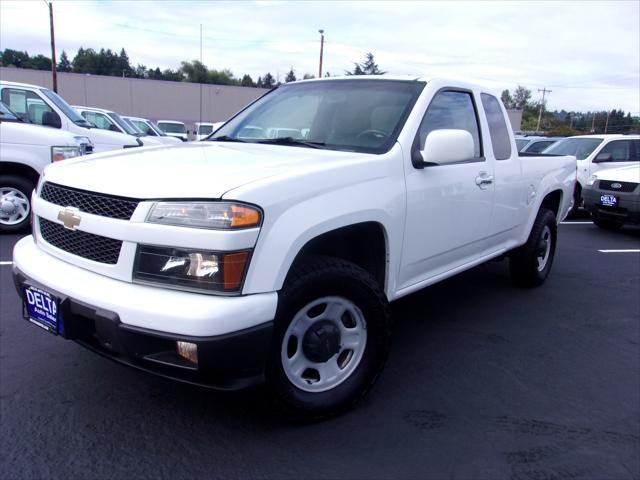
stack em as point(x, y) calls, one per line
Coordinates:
point(54, 73)
point(321, 32)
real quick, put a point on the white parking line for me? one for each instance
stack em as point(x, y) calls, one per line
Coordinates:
point(628, 250)
point(6, 263)
point(576, 223)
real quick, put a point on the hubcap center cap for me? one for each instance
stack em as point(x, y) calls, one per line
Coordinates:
point(7, 206)
point(321, 341)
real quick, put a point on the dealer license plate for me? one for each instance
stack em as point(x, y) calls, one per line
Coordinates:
point(609, 200)
point(41, 308)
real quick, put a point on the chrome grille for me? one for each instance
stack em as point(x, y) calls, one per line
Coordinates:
point(83, 244)
point(91, 202)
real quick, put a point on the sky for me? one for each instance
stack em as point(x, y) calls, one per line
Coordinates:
point(586, 52)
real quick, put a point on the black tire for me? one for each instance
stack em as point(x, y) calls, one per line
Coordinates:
point(524, 265)
point(607, 224)
point(316, 278)
point(25, 187)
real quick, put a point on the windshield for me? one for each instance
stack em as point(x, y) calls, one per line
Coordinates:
point(7, 115)
point(581, 148)
point(124, 125)
point(205, 129)
point(172, 127)
point(354, 115)
point(71, 114)
point(129, 122)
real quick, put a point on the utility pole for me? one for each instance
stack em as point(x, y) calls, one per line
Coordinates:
point(54, 73)
point(544, 92)
point(606, 124)
point(200, 82)
point(593, 123)
point(321, 32)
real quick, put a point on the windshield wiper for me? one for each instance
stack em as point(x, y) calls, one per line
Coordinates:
point(292, 141)
point(225, 138)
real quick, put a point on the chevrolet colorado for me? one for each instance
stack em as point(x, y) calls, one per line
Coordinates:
point(271, 251)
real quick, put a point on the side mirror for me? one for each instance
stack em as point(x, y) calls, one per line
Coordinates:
point(602, 157)
point(113, 128)
point(51, 119)
point(443, 147)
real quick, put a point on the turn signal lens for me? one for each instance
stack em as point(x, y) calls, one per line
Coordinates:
point(234, 268)
point(243, 216)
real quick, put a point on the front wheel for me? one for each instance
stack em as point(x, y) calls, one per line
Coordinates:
point(531, 263)
point(15, 203)
point(332, 338)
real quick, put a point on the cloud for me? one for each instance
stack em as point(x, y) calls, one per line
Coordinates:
point(586, 52)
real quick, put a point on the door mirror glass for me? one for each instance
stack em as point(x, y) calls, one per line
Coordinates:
point(51, 119)
point(443, 147)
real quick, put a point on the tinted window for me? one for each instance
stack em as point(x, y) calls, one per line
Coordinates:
point(100, 120)
point(537, 147)
point(500, 140)
point(622, 150)
point(521, 143)
point(172, 127)
point(451, 110)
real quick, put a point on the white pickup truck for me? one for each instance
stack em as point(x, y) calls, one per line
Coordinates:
point(248, 258)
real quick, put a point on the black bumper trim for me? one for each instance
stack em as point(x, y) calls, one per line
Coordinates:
point(225, 362)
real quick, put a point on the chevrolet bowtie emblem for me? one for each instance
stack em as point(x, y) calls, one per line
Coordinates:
point(69, 218)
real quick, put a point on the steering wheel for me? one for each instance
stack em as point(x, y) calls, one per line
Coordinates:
point(377, 134)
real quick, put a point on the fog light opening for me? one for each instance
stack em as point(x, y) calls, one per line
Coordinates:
point(188, 351)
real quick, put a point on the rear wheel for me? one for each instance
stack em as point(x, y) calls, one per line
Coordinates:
point(331, 341)
point(607, 224)
point(15, 203)
point(530, 264)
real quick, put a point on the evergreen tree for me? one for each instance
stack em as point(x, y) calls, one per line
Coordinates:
point(291, 76)
point(268, 81)
point(247, 81)
point(368, 67)
point(64, 65)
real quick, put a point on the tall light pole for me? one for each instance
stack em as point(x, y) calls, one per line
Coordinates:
point(544, 92)
point(54, 73)
point(321, 32)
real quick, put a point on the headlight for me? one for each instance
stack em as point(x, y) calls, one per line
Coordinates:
point(592, 179)
point(62, 153)
point(216, 215)
point(188, 269)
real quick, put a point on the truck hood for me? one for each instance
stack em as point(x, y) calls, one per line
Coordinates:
point(189, 170)
point(629, 173)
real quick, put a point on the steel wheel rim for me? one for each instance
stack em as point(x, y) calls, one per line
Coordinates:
point(544, 248)
point(320, 376)
point(14, 206)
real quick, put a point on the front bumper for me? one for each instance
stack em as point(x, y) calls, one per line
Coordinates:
point(627, 211)
point(115, 318)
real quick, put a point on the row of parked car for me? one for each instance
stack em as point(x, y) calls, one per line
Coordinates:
point(27, 146)
point(38, 127)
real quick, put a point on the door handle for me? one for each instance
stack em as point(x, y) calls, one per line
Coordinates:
point(483, 180)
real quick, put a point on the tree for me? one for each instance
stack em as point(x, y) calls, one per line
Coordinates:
point(14, 58)
point(123, 67)
point(521, 97)
point(368, 67)
point(291, 76)
point(247, 81)
point(195, 71)
point(64, 65)
point(507, 99)
point(172, 75)
point(39, 62)
point(268, 81)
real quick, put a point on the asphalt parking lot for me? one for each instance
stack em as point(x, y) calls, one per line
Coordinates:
point(484, 381)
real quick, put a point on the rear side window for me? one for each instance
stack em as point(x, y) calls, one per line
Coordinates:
point(537, 147)
point(451, 110)
point(497, 127)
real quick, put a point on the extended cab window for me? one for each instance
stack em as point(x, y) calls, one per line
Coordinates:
point(621, 151)
point(451, 110)
point(27, 105)
point(500, 141)
point(100, 120)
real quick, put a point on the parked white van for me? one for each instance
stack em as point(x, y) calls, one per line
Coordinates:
point(146, 126)
point(110, 120)
point(25, 150)
point(42, 106)
point(174, 128)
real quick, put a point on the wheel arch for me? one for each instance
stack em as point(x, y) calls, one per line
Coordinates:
point(20, 170)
